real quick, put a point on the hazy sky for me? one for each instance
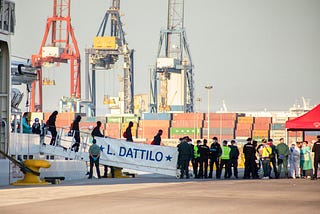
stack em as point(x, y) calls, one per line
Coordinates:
point(258, 54)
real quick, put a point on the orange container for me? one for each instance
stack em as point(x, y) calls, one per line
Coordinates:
point(188, 116)
point(246, 120)
point(186, 123)
point(219, 123)
point(153, 123)
point(244, 126)
point(262, 120)
point(259, 126)
point(221, 116)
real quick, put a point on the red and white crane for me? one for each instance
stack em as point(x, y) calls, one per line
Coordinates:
point(58, 46)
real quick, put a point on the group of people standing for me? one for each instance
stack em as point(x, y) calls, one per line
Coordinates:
point(296, 161)
point(260, 160)
point(202, 156)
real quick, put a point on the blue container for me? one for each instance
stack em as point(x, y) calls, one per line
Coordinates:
point(176, 108)
point(156, 116)
point(278, 126)
point(312, 133)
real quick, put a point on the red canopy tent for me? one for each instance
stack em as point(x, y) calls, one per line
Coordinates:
point(309, 121)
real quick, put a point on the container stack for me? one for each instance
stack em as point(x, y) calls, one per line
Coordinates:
point(311, 135)
point(113, 126)
point(244, 128)
point(220, 125)
point(88, 123)
point(151, 123)
point(183, 124)
point(261, 127)
point(64, 119)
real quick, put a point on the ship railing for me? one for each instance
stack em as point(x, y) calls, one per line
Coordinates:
point(65, 138)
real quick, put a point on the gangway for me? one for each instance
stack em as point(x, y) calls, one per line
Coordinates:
point(116, 152)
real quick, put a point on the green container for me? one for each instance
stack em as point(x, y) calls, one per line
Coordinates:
point(114, 119)
point(133, 119)
point(184, 131)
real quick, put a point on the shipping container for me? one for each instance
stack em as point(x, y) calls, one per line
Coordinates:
point(312, 133)
point(261, 126)
point(94, 119)
point(187, 123)
point(247, 120)
point(187, 116)
point(279, 119)
point(185, 131)
point(262, 120)
point(221, 116)
point(134, 119)
point(156, 116)
point(278, 126)
point(114, 119)
point(260, 133)
point(295, 133)
point(154, 123)
point(243, 133)
point(218, 131)
point(219, 123)
point(277, 134)
point(241, 126)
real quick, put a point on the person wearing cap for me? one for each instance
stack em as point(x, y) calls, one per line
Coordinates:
point(94, 156)
point(225, 161)
point(196, 159)
point(273, 160)
point(266, 151)
point(250, 166)
point(215, 153)
point(234, 155)
point(204, 152)
point(283, 152)
point(316, 160)
point(185, 155)
point(36, 127)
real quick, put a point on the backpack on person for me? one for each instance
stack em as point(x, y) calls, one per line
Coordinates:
point(124, 134)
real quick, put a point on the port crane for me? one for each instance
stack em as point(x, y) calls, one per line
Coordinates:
point(108, 47)
point(174, 69)
point(58, 45)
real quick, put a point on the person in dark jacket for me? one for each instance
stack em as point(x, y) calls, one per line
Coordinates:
point(96, 130)
point(234, 155)
point(185, 155)
point(36, 126)
point(316, 151)
point(157, 138)
point(51, 124)
point(128, 132)
point(204, 152)
point(250, 166)
point(97, 133)
point(273, 158)
point(196, 159)
point(215, 153)
point(76, 133)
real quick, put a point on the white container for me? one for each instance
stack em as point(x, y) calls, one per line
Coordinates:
point(51, 51)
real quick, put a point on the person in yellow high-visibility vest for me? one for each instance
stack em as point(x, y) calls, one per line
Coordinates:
point(195, 160)
point(225, 160)
point(266, 151)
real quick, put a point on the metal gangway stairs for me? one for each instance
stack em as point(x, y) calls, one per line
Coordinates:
point(63, 146)
point(115, 152)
